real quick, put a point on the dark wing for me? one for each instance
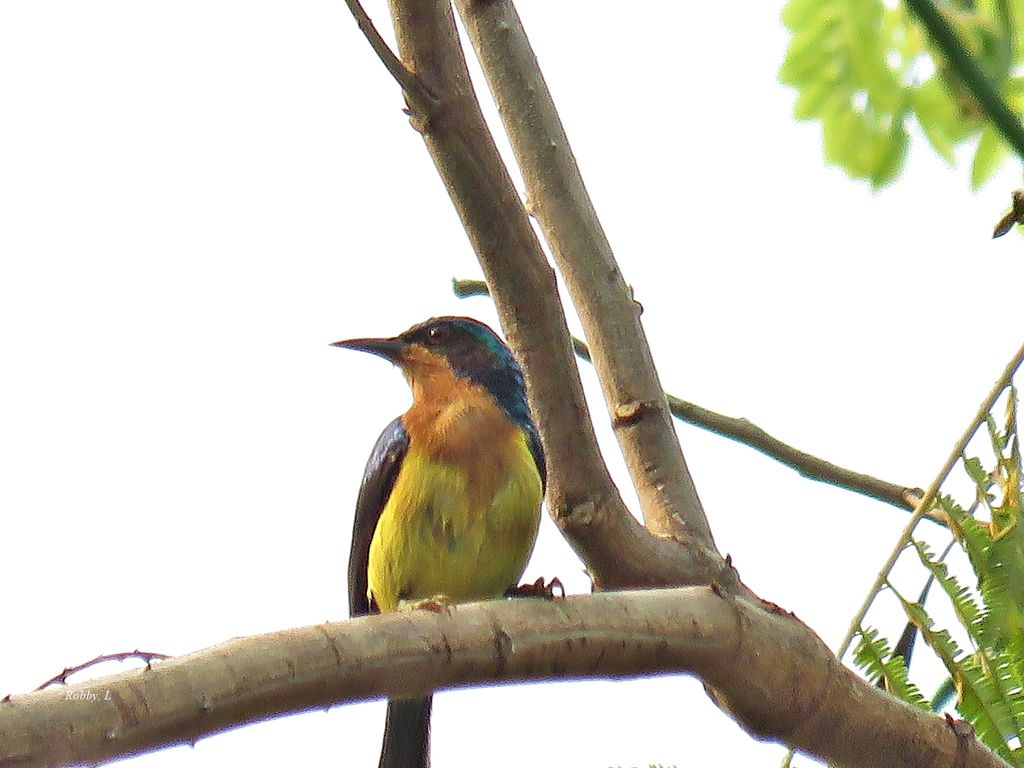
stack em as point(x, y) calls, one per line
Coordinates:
point(538, 453)
point(378, 480)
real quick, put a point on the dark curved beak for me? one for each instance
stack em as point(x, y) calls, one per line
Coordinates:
point(390, 349)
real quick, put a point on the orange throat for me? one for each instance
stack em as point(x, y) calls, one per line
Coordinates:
point(455, 421)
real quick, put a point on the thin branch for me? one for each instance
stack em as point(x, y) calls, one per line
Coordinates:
point(406, 78)
point(610, 316)
point(802, 695)
point(147, 656)
point(743, 431)
point(808, 465)
point(930, 495)
point(582, 497)
point(969, 73)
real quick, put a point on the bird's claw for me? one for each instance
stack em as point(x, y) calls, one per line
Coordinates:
point(538, 589)
point(434, 604)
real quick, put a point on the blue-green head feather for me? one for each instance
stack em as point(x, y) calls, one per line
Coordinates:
point(476, 353)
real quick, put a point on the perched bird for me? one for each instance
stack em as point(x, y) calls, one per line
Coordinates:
point(450, 499)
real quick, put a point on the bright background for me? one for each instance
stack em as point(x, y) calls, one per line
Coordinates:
point(197, 197)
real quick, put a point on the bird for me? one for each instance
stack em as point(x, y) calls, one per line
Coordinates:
point(450, 500)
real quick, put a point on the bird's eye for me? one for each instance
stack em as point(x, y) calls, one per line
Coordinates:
point(437, 333)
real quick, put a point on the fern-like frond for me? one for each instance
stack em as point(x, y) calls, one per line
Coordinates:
point(874, 656)
point(1002, 589)
point(979, 700)
point(973, 536)
point(997, 704)
point(1001, 571)
point(968, 612)
point(1009, 684)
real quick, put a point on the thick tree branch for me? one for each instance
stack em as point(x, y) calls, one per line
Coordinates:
point(774, 674)
point(618, 551)
point(610, 316)
point(744, 431)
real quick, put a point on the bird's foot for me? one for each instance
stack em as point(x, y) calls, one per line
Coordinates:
point(538, 589)
point(434, 604)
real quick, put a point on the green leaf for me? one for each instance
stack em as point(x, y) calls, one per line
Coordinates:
point(871, 58)
point(894, 153)
point(988, 156)
point(976, 472)
point(972, 535)
point(815, 98)
point(940, 142)
point(937, 109)
point(801, 13)
point(810, 56)
point(836, 131)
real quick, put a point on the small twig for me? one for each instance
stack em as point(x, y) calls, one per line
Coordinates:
point(464, 289)
point(809, 466)
point(62, 678)
point(930, 495)
point(750, 434)
point(417, 91)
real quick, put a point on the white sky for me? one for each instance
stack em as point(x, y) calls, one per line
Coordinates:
point(197, 197)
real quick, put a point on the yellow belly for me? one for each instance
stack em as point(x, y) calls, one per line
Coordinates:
point(437, 536)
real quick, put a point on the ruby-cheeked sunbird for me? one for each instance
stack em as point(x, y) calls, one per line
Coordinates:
point(450, 500)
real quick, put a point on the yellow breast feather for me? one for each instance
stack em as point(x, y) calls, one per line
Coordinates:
point(463, 529)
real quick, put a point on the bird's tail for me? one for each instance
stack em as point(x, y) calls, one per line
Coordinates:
point(407, 734)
